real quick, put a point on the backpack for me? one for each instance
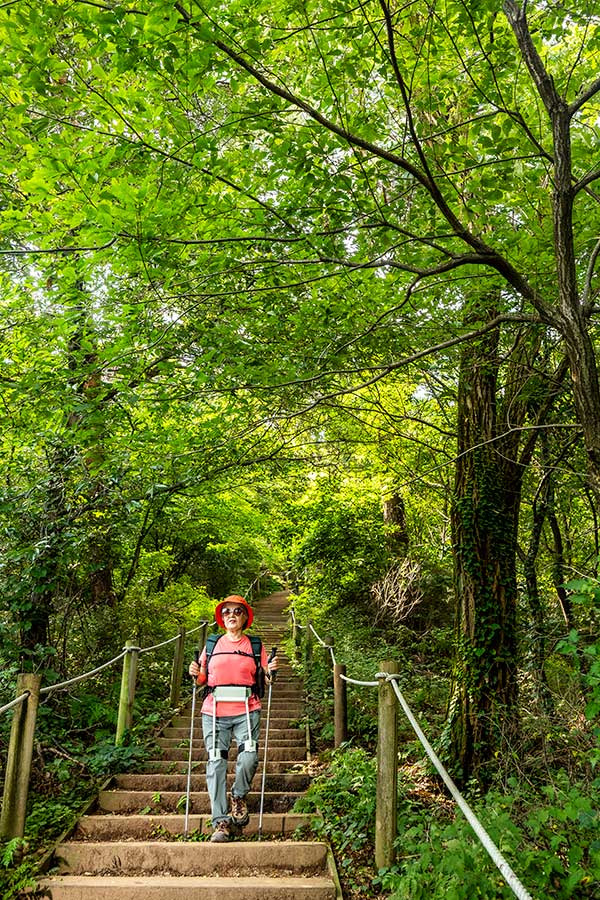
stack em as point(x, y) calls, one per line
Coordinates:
point(258, 687)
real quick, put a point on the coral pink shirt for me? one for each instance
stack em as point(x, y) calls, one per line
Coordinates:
point(228, 665)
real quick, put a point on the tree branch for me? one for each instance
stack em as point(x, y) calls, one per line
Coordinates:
point(58, 250)
point(587, 287)
point(517, 18)
point(387, 369)
point(584, 96)
point(494, 259)
point(583, 183)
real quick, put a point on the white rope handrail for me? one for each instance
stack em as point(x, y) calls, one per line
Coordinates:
point(157, 646)
point(361, 683)
point(318, 637)
point(295, 620)
point(63, 684)
point(323, 644)
point(497, 858)
point(201, 625)
point(54, 687)
point(15, 702)
point(177, 636)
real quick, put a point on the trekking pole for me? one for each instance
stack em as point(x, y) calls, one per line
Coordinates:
point(189, 772)
point(264, 773)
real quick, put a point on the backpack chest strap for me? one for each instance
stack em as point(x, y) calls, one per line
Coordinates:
point(231, 693)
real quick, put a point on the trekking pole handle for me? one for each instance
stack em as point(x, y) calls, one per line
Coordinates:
point(272, 655)
point(196, 659)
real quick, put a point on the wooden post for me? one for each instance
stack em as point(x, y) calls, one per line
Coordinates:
point(340, 705)
point(387, 769)
point(177, 669)
point(20, 752)
point(127, 696)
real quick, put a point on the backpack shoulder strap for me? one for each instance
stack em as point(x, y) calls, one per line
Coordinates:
point(211, 641)
point(256, 648)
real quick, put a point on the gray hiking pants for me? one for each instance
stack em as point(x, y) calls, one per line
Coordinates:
point(228, 728)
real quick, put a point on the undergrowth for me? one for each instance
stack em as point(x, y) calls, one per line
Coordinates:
point(549, 835)
point(542, 809)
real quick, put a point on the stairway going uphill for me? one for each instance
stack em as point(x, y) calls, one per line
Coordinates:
point(131, 845)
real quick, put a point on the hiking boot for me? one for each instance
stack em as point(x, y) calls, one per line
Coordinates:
point(239, 811)
point(221, 833)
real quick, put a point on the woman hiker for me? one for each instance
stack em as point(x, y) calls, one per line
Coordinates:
point(230, 667)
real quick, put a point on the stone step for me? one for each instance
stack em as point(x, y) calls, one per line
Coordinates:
point(279, 727)
point(167, 745)
point(286, 715)
point(280, 716)
point(174, 767)
point(281, 707)
point(294, 754)
point(296, 740)
point(170, 801)
point(169, 887)
point(281, 691)
point(190, 858)
point(157, 782)
point(137, 827)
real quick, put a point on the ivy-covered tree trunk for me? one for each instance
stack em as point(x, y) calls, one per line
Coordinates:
point(484, 520)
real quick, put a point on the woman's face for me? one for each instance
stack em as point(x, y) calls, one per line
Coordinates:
point(234, 617)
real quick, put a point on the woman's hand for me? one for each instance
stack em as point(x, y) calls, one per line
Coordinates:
point(272, 666)
point(197, 673)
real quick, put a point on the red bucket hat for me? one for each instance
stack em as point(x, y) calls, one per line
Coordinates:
point(235, 600)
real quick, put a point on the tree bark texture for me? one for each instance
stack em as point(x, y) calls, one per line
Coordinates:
point(484, 521)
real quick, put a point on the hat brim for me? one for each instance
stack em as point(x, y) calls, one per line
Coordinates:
point(238, 601)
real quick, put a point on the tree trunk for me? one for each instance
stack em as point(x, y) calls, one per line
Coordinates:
point(394, 518)
point(484, 520)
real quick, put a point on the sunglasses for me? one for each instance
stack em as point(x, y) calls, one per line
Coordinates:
point(235, 611)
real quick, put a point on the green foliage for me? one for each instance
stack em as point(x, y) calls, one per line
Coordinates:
point(12, 849)
point(586, 658)
point(340, 549)
point(549, 837)
point(192, 324)
point(146, 612)
point(582, 647)
point(17, 876)
point(105, 758)
point(344, 799)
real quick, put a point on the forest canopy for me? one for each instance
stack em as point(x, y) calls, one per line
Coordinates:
point(306, 288)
